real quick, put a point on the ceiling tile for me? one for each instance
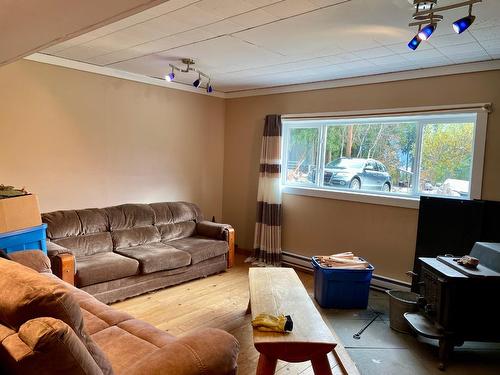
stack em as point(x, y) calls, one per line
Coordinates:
point(450, 40)
point(225, 8)
point(254, 18)
point(373, 52)
point(222, 27)
point(288, 8)
point(341, 58)
point(487, 33)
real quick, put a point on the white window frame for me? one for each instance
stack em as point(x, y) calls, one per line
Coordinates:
point(481, 111)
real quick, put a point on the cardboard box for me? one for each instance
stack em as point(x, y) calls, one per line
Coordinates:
point(19, 213)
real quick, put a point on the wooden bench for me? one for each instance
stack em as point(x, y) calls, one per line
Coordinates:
point(280, 291)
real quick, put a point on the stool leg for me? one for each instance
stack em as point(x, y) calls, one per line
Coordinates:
point(266, 365)
point(321, 365)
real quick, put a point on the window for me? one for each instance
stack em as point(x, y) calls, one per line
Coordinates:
point(397, 156)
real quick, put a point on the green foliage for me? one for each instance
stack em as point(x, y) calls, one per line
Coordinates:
point(447, 152)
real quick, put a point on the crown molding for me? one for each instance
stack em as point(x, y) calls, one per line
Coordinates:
point(371, 79)
point(106, 71)
point(354, 81)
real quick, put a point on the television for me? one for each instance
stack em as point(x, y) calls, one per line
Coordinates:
point(453, 226)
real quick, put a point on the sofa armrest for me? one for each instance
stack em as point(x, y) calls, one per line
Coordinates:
point(62, 262)
point(218, 231)
point(208, 351)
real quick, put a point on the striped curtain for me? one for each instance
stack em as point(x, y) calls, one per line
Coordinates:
point(267, 242)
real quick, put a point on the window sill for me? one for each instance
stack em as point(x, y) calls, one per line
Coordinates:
point(369, 198)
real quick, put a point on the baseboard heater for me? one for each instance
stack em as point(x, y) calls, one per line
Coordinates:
point(378, 282)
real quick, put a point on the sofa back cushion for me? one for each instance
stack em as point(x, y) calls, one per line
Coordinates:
point(88, 244)
point(132, 225)
point(84, 232)
point(26, 294)
point(176, 220)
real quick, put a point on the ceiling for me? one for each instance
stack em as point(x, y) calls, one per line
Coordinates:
point(248, 44)
point(27, 26)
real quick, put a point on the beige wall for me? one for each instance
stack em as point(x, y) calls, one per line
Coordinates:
point(83, 140)
point(384, 235)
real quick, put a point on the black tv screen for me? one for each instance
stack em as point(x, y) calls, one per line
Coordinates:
point(452, 226)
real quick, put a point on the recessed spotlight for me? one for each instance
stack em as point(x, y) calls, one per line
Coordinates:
point(463, 24)
point(427, 31)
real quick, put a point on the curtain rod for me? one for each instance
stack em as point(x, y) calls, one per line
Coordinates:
point(397, 111)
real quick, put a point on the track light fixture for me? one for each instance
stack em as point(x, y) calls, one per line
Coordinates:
point(170, 76)
point(187, 69)
point(427, 31)
point(209, 87)
point(426, 14)
point(415, 42)
point(463, 23)
point(197, 82)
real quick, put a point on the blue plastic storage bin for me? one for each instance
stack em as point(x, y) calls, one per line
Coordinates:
point(341, 288)
point(24, 239)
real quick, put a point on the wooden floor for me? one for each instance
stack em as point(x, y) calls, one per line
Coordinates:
point(218, 301)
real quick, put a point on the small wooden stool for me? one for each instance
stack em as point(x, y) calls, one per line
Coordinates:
point(280, 291)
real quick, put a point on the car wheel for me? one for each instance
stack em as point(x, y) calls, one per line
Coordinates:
point(355, 184)
point(386, 187)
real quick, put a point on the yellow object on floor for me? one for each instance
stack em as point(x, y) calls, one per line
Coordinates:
point(271, 323)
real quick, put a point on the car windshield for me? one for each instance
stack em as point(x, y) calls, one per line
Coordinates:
point(346, 163)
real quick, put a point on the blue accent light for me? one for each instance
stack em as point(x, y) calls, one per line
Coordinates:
point(414, 43)
point(427, 31)
point(463, 24)
point(170, 77)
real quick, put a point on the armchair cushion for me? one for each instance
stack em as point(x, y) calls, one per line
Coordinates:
point(53, 343)
point(34, 259)
point(197, 353)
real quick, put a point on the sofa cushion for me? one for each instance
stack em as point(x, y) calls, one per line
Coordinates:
point(156, 257)
point(104, 267)
point(61, 224)
point(176, 231)
point(132, 225)
point(175, 212)
point(26, 294)
point(93, 220)
point(135, 237)
point(88, 244)
point(128, 216)
point(200, 248)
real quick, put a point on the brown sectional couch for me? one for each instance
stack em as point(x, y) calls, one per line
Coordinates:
point(125, 250)
point(50, 327)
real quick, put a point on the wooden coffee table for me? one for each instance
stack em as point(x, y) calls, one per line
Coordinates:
point(280, 291)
